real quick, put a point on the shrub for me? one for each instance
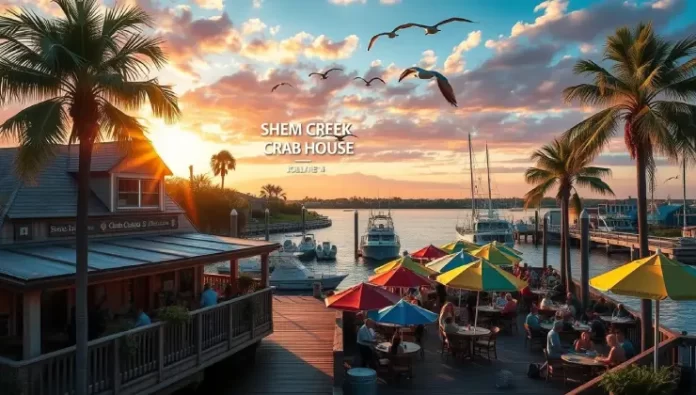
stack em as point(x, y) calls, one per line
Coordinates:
point(245, 284)
point(639, 380)
point(174, 314)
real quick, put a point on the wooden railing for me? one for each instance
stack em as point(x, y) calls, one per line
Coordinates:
point(147, 359)
point(283, 227)
point(219, 281)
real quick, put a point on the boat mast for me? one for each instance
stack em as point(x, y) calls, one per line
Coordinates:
point(488, 174)
point(473, 192)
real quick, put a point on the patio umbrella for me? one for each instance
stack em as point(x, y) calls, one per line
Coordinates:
point(504, 248)
point(655, 277)
point(409, 264)
point(481, 276)
point(460, 245)
point(361, 297)
point(404, 314)
point(495, 255)
point(452, 261)
point(429, 252)
point(400, 277)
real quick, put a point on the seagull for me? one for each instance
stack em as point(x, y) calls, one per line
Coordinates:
point(340, 138)
point(671, 178)
point(281, 84)
point(325, 74)
point(431, 29)
point(442, 83)
point(391, 34)
point(367, 83)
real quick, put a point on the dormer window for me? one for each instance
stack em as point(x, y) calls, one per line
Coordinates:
point(138, 193)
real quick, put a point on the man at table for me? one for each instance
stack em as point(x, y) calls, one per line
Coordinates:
point(554, 349)
point(532, 320)
point(573, 303)
point(510, 306)
point(601, 307)
point(626, 344)
point(366, 341)
point(546, 303)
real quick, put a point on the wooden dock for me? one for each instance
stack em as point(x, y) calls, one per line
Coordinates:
point(296, 359)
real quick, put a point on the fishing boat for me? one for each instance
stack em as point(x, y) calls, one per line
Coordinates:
point(306, 248)
point(485, 226)
point(326, 251)
point(380, 241)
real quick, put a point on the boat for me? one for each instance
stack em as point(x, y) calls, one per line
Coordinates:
point(326, 251)
point(306, 249)
point(485, 226)
point(289, 246)
point(380, 241)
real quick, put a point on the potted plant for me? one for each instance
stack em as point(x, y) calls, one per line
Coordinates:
point(174, 314)
point(639, 380)
point(245, 284)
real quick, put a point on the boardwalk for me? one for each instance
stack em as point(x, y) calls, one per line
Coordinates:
point(296, 359)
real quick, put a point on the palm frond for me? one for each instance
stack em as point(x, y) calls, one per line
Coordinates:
point(135, 58)
point(596, 131)
point(119, 126)
point(23, 84)
point(536, 194)
point(131, 95)
point(592, 171)
point(575, 203)
point(684, 89)
point(595, 184)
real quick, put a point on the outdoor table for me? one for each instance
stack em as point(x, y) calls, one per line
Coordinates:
point(582, 359)
point(580, 327)
point(470, 332)
point(408, 347)
point(617, 321)
point(489, 309)
point(539, 292)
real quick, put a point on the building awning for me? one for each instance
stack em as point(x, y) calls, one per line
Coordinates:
point(49, 265)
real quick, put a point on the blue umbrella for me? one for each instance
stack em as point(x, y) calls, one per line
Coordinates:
point(404, 313)
point(452, 261)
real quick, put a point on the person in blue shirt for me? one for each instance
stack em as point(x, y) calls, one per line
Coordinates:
point(626, 344)
point(532, 319)
point(141, 319)
point(209, 297)
point(554, 349)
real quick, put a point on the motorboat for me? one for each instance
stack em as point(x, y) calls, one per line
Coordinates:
point(289, 246)
point(326, 251)
point(306, 248)
point(380, 241)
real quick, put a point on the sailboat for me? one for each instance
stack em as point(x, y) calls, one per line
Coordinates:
point(485, 226)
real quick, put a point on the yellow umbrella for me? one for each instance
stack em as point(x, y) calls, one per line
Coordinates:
point(495, 255)
point(655, 277)
point(407, 263)
point(504, 248)
point(479, 276)
point(460, 245)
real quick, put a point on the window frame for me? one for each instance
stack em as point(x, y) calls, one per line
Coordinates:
point(140, 181)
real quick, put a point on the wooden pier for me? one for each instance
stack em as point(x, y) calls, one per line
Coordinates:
point(258, 229)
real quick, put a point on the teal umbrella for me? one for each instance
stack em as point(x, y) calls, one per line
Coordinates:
point(452, 261)
point(404, 313)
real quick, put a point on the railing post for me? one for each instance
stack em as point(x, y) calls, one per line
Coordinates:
point(230, 327)
point(160, 351)
point(545, 242)
point(117, 366)
point(199, 338)
point(252, 329)
point(585, 258)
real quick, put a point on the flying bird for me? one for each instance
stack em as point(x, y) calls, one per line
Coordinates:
point(279, 85)
point(671, 178)
point(340, 138)
point(367, 83)
point(391, 34)
point(325, 74)
point(431, 29)
point(442, 83)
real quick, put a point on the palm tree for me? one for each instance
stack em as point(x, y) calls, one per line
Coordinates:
point(222, 163)
point(646, 93)
point(279, 192)
point(80, 72)
point(267, 192)
point(560, 165)
point(200, 181)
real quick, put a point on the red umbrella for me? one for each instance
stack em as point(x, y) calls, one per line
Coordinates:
point(430, 252)
point(361, 297)
point(400, 277)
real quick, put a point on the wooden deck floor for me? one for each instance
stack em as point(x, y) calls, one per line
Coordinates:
point(296, 359)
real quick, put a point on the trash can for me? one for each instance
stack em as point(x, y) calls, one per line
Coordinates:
point(316, 289)
point(361, 381)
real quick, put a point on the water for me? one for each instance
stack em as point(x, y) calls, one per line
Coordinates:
point(418, 228)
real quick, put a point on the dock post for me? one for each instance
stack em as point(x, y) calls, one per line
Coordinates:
point(267, 224)
point(355, 233)
point(545, 242)
point(585, 258)
point(234, 223)
point(535, 237)
point(304, 222)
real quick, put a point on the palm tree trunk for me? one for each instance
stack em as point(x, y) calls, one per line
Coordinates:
point(564, 245)
point(566, 240)
point(645, 304)
point(222, 183)
point(81, 281)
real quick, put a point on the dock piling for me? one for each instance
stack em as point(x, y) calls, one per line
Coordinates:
point(545, 241)
point(304, 223)
point(535, 237)
point(355, 233)
point(234, 223)
point(585, 258)
point(267, 223)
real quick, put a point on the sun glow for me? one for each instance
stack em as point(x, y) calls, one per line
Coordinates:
point(179, 148)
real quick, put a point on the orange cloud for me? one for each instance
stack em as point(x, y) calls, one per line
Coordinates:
point(289, 50)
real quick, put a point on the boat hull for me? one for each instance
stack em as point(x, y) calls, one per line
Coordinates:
point(327, 283)
point(306, 255)
point(509, 240)
point(379, 253)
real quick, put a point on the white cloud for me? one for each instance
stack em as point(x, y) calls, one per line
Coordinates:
point(274, 30)
point(252, 26)
point(210, 4)
point(376, 63)
point(587, 48)
point(256, 3)
point(287, 51)
point(454, 62)
point(347, 2)
point(553, 10)
point(389, 2)
point(428, 59)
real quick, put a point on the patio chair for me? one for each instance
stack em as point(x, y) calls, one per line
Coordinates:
point(533, 338)
point(415, 337)
point(554, 367)
point(487, 344)
point(576, 374)
point(459, 345)
point(392, 367)
point(509, 322)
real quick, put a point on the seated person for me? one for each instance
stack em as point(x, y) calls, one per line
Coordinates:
point(141, 319)
point(573, 303)
point(533, 278)
point(396, 347)
point(546, 303)
point(584, 343)
point(601, 307)
point(516, 271)
point(620, 312)
point(554, 349)
point(616, 354)
point(527, 293)
point(366, 341)
point(626, 344)
point(587, 316)
point(532, 320)
point(450, 326)
point(597, 329)
point(510, 307)
point(446, 311)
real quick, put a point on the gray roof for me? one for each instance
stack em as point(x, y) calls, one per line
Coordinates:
point(36, 262)
point(56, 182)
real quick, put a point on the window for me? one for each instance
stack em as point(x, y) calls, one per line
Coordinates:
point(136, 193)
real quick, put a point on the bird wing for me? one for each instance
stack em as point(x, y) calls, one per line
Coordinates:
point(330, 70)
point(407, 25)
point(351, 135)
point(275, 87)
point(446, 90)
point(453, 20)
point(378, 79)
point(285, 83)
point(311, 74)
point(374, 38)
point(407, 72)
point(360, 78)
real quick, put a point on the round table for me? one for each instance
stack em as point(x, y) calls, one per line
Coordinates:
point(469, 331)
point(581, 359)
point(580, 327)
point(489, 309)
point(408, 347)
point(539, 291)
point(618, 321)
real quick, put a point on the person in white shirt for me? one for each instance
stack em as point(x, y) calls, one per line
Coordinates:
point(366, 341)
point(546, 303)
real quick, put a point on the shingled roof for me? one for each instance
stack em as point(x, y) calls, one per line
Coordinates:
point(53, 192)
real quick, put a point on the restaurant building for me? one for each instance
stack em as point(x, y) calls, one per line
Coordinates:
point(144, 253)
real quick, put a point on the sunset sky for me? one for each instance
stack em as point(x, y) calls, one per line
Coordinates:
point(507, 70)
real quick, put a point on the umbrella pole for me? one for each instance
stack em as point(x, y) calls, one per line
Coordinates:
point(460, 298)
point(657, 333)
point(476, 314)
